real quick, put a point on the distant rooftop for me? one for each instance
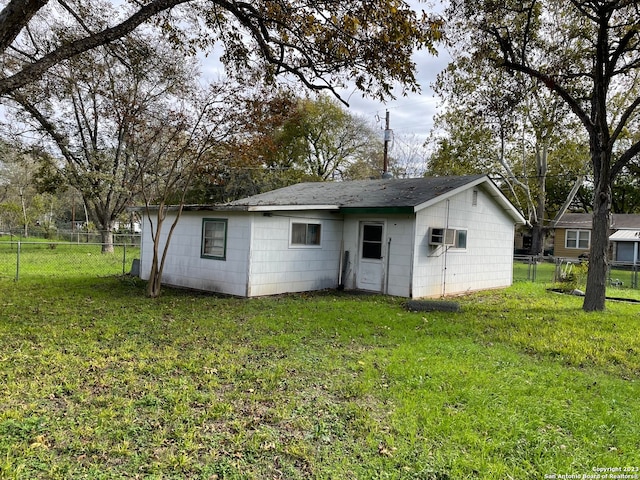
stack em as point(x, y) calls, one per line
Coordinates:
point(619, 221)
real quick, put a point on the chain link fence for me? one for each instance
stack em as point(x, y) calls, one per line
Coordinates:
point(45, 258)
point(20, 258)
point(551, 270)
point(65, 235)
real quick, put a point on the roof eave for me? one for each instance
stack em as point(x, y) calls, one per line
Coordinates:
point(275, 208)
point(376, 210)
point(190, 208)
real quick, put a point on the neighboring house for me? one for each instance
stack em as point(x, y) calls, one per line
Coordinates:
point(572, 236)
point(419, 237)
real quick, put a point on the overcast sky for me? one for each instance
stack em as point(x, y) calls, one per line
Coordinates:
point(411, 114)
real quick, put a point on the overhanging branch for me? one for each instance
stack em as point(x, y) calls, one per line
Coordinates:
point(35, 70)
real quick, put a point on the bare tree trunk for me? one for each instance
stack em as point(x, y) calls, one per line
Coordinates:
point(595, 297)
point(565, 206)
point(538, 231)
point(537, 239)
point(155, 275)
point(107, 241)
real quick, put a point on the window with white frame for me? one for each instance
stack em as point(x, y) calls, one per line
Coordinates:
point(214, 238)
point(580, 239)
point(305, 234)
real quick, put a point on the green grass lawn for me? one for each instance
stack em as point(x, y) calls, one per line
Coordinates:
point(42, 258)
point(98, 381)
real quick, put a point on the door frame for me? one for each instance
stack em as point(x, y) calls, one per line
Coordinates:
point(377, 266)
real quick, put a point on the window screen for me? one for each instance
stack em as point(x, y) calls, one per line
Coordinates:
point(305, 233)
point(214, 238)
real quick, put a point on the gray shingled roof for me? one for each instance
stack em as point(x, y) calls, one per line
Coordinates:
point(575, 220)
point(386, 193)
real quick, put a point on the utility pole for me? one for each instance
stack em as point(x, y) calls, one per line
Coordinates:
point(387, 138)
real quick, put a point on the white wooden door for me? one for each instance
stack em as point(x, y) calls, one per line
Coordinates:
point(370, 263)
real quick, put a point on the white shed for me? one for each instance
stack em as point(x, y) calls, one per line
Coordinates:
point(626, 246)
point(419, 237)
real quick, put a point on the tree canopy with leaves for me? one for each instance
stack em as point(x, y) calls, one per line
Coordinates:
point(587, 52)
point(281, 139)
point(324, 139)
point(90, 110)
point(511, 127)
point(321, 43)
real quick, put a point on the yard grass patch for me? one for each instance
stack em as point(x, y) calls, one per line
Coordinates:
point(98, 381)
point(37, 258)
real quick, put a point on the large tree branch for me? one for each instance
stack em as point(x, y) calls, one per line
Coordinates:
point(552, 85)
point(35, 70)
point(253, 20)
point(14, 17)
point(624, 159)
point(59, 139)
point(622, 124)
point(623, 47)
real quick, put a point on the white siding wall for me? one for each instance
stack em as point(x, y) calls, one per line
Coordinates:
point(277, 267)
point(486, 263)
point(184, 266)
point(350, 235)
point(402, 233)
point(398, 260)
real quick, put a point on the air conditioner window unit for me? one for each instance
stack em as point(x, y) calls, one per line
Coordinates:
point(442, 236)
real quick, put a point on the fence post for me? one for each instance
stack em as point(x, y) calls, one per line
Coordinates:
point(18, 262)
point(124, 257)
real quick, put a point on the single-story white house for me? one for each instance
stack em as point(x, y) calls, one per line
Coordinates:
point(418, 237)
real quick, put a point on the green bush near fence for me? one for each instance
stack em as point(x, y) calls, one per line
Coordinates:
point(43, 258)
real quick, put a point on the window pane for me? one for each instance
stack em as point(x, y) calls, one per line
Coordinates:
point(372, 241)
point(305, 233)
point(313, 234)
point(298, 233)
point(572, 238)
point(583, 241)
point(213, 241)
point(372, 233)
point(372, 250)
point(461, 238)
